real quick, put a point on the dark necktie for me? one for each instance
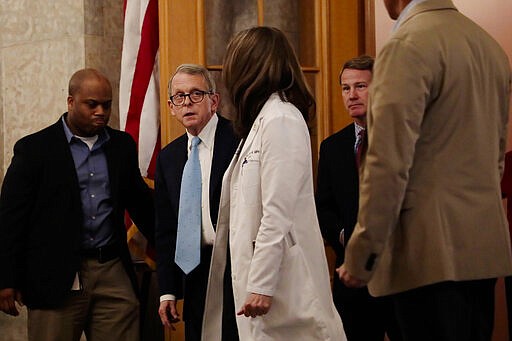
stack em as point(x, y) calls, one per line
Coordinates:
point(360, 146)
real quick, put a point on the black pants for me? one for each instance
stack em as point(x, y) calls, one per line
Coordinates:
point(508, 292)
point(195, 296)
point(447, 311)
point(366, 318)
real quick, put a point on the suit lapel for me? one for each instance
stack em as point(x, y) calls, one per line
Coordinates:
point(257, 122)
point(179, 163)
point(221, 155)
point(252, 134)
point(349, 142)
point(113, 167)
point(341, 161)
point(66, 168)
point(341, 156)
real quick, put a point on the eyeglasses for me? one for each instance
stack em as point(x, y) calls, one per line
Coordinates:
point(195, 96)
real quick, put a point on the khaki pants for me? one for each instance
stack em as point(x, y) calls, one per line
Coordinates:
point(106, 308)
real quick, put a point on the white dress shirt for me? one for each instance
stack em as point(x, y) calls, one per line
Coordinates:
point(207, 136)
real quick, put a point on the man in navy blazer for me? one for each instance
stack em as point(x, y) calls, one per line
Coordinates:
point(63, 246)
point(364, 317)
point(193, 100)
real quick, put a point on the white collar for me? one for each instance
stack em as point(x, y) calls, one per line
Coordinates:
point(207, 134)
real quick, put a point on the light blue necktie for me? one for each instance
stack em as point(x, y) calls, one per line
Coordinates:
point(188, 242)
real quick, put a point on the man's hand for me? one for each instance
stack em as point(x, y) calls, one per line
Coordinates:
point(168, 313)
point(8, 299)
point(256, 305)
point(349, 280)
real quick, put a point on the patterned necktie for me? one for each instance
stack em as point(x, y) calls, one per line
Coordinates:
point(360, 146)
point(188, 241)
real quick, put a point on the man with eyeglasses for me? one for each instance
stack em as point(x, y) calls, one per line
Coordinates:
point(193, 101)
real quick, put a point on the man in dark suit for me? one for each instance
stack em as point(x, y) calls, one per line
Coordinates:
point(63, 246)
point(193, 100)
point(364, 317)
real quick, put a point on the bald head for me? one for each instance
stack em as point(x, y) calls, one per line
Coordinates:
point(80, 76)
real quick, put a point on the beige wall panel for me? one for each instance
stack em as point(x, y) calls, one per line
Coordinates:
point(35, 83)
point(181, 24)
point(31, 20)
point(345, 43)
point(103, 44)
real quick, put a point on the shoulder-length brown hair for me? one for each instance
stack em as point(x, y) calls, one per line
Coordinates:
point(259, 62)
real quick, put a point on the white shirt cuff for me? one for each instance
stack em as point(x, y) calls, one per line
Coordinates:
point(167, 298)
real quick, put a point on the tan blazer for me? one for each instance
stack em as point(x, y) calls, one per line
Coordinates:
point(267, 207)
point(430, 201)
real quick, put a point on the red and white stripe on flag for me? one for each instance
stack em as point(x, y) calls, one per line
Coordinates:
point(139, 103)
point(139, 88)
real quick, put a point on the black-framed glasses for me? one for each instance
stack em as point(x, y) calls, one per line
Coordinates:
point(195, 96)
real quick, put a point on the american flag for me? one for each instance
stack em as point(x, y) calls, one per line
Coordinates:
point(139, 108)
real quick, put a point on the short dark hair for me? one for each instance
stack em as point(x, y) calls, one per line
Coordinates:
point(363, 62)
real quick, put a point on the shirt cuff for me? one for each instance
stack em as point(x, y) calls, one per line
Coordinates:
point(167, 298)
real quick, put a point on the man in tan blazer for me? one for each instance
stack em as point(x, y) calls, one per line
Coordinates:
point(431, 229)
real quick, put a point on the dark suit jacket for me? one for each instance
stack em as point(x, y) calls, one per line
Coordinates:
point(169, 169)
point(337, 193)
point(41, 213)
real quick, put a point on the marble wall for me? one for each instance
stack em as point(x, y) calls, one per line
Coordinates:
point(42, 43)
point(103, 35)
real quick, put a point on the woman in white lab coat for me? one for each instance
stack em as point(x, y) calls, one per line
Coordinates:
point(279, 269)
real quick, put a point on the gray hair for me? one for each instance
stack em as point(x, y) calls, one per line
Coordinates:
point(193, 69)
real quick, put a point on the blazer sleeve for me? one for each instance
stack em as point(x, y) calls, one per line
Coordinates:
point(327, 210)
point(139, 201)
point(16, 201)
point(170, 277)
point(394, 124)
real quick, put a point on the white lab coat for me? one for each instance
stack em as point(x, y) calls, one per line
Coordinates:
point(267, 206)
